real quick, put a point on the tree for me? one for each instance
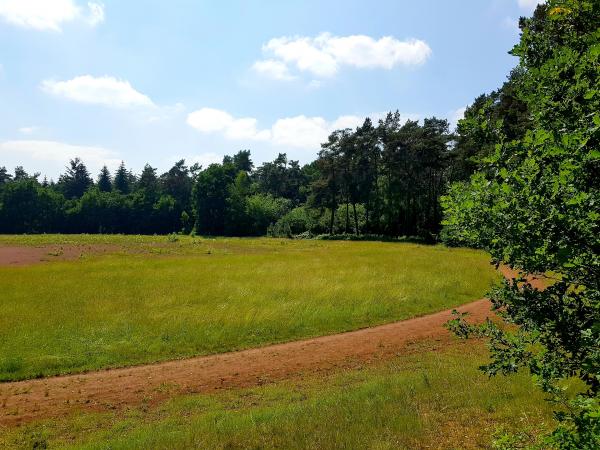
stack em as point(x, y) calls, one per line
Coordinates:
point(104, 180)
point(178, 184)
point(102, 212)
point(264, 210)
point(475, 140)
point(366, 168)
point(27, 207)
point(5, 177)
point(536, 207)
point(22, 175)
point(380, 180)
point(209, 198)
point(237, 221)
point(281, 178)
point(122, 180)
point(325, 189)
point(242, 161)
point(148, 181)
point(75, 181)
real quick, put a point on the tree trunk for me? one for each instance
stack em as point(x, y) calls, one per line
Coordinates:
point(331, 220)
point(347, 217)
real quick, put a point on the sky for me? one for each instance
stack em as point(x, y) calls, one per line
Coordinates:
point(155, 81)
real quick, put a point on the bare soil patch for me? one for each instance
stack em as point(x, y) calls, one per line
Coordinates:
point(25, 256)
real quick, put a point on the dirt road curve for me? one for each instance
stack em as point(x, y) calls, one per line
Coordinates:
point(53, 397)
point(21, 402)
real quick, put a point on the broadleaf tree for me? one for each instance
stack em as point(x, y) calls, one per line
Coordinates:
point(535, 206)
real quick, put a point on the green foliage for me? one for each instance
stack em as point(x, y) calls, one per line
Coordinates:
point(384, 179)
point(297, 221)
point(536, 207)
point(500, 113)
point(76, 180)
point(122, 179)
point(263, 210)
point(27, 207)
point(209, 198)
point(282, 178)
point(104, 180)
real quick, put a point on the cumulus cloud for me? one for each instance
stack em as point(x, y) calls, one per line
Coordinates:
point(49, 14)
point(273, 69)
point(300, 131)
point(107, 91)
point(324, 55)
point(311, 132)
point(96, 15)
point(209, 120)
point(44, 152)
point(455, 116)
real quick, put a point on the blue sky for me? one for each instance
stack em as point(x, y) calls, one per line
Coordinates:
point(155, 81)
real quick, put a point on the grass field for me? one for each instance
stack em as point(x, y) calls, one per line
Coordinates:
point(152, 299)
point(431, 399)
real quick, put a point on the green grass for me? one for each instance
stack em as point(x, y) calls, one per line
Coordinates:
point(433, 399)
point(153, 300)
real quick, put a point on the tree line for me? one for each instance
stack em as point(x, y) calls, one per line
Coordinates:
point(379, 179)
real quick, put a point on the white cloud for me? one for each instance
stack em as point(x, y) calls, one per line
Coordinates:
point(96, 13)
point(324, 55)
point(209, 120)
point(529, 5)
point(49, 14)
point(455, 116)
point(107, 91)
point(44, 152)
point(165, 113)
point(301, 132)
point(352, 121)
point(28, 130)
point(273, 69)
point(296, 132)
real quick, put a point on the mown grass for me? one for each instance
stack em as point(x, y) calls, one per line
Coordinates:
point(433, 399)
point(151, 299)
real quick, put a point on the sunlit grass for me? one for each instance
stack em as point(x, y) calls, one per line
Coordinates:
point(433, 399)
point(151, 299)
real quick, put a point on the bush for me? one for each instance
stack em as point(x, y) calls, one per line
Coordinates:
point(263, 210)
point(298, 221)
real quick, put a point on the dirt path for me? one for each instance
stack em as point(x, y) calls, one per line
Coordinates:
point(115, 389)
point(21, 402)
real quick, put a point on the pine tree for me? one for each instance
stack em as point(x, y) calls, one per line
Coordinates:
point(104, 180)
point(76, 180)
point(121, 181)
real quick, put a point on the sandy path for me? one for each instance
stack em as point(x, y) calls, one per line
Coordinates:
point(109, 389)
point(25, 401)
